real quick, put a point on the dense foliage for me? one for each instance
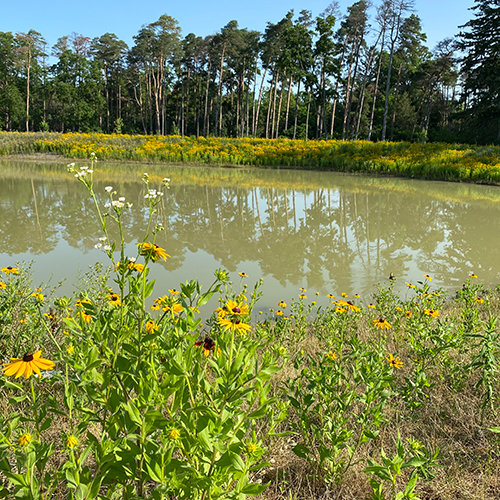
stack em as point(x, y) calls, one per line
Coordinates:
point(339, 75)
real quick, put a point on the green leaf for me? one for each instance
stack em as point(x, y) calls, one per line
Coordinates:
point(415, 462)
point(379, 471)
point(81, 492)
point(411, 484)
point(232, 461)
point(254, 489)
point(301, 450)
point(133, 412)
point(148, 289)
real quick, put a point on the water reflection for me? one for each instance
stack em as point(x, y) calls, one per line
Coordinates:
point(324, 231)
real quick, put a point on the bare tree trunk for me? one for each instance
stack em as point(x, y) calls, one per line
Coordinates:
point(279, 112)
point(296, 110)
point(307, 114)
point(28, 68)
point(218, 114)
point(394, 102)
point(363, 87)
point(256, 121)
point(334, 107)
point(206, 117)
point(370, 127)
point(290, 83)
point(347, 100)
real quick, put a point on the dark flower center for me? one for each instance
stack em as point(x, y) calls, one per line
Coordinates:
point(237, 322)
point(28, 357)
point(236, 309)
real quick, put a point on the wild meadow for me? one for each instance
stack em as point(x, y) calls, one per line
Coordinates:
point(128, 390)
point(442, 161)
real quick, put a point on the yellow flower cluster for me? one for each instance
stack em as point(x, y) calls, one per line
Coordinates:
point(434, 160)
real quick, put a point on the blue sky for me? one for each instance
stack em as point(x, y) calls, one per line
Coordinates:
point(55, 18)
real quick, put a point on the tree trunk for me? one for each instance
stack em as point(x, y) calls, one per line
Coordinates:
point(218, 115)
point(370, 127)
point(394, 102)
point(332, 122)
point(256, 120)
point(206, 117)
point(290, 83)
point(296, 110)
point(28, 68)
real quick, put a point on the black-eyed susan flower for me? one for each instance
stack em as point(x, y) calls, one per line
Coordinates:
point(431, 312)
point(10, 270)
point(151, 326)
point(243, 275)
point(24, 440)
point(340, 310)
point(114, 299)
point(381, 323)
point(135, 267)
point(82, 302)
point(313, 303)
point(344, 294)
point(38, 296)
point(2, 285)
point(279, 312)
point(85, 317)
point(281, 303)
point(208, 345)
point(237, 308)
point(235, 325)
point(302, 289)
point(174, 308)
point(472, 275)
point(394, 362)
point(27, 365)
point(173, 291)
point(330, 296)
point(409, 285)
point(352, 307)
point(153, 251)
point(371, 306)
point(71, 441)
point(426, 276)
point(479, 300)
point(302, 296)
point(408, 314)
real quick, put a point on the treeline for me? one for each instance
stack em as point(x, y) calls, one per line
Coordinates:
point(338, 75)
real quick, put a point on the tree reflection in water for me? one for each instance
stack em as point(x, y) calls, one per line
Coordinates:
point(325, 231)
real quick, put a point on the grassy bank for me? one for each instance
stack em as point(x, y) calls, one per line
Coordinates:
point(383, 397)
point(458, 162)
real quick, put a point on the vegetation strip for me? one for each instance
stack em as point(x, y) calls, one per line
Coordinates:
point(438, 161)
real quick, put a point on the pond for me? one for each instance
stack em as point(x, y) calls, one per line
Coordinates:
point(323, 231)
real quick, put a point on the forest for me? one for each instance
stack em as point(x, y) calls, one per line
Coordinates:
point(362, 74)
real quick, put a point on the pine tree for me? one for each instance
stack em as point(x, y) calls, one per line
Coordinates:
point(481, 69)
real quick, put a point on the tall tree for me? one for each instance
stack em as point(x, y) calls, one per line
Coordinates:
point(397, 9)
point(480, 42)
point(109, 52)
point(30, 47)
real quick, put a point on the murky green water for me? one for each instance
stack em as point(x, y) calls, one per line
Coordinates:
point(323, 231)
